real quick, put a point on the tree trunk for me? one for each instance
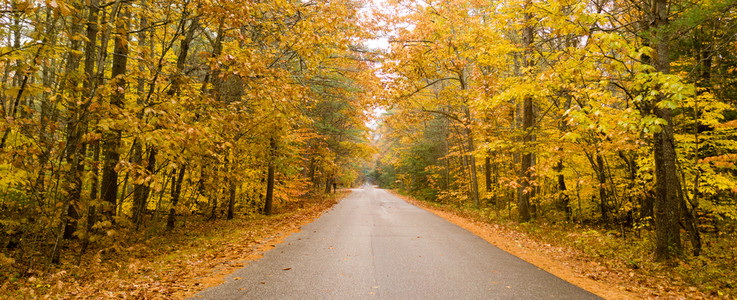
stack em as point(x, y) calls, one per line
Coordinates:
point(176, 191)
point(647, 206)
point(487, 172)
point(527, 161)
point(231, 200)
point(667, 204)
point(178, 78)
point(690, 217)
point(311, 173)
point(72, 180)
point(44, 119)
point(73, 156)
point(472, 162)
point(174, 90)
point(112, 138)
point(92, 209)
point(214, 75)
point(214, 206)
point(328, 184)
point(141, 191)
point(270, 178)
point(603, 197)
point(563, 199)
point(19, 79)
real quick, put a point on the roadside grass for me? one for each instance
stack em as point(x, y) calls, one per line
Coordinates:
point(623, 257)
point(164, 265)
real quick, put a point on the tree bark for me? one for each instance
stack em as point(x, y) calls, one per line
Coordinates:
point(74, 143)
point(112, 138)
point(72, 180)
point(231, 200)
point(472, 161)
point(667, 204)
point(270, 178)
point(214, 206)
point(44, 119)
point(603, 196)
point(563, 199)
point(141, 191)
point(487, 172)
point(176, 191)
point(528, 119)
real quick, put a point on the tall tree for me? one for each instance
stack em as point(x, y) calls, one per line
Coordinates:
point(528, 120)
point(667, 202)
point(112, 137)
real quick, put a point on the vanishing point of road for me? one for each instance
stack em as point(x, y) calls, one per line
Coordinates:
point(373, 245)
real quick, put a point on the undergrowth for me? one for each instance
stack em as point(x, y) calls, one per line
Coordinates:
point(161, 265)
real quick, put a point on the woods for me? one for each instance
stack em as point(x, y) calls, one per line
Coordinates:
point(124, 117)
point(133, 118)
point(614, 114)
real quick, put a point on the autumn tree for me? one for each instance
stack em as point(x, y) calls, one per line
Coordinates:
point(601, 110)
point(127, 116)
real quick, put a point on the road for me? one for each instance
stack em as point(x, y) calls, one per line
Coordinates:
point(373, 245)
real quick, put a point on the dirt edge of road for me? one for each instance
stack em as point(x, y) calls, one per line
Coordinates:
point(528, 250)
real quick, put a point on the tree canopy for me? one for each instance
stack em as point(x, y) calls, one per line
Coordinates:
point(128, 115)
point(614, 112)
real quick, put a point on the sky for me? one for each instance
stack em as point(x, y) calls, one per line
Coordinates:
point(382, 43)
point(365, 12)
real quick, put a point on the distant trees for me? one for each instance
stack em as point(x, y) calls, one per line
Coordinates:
point(129, 115)
point(591, 111)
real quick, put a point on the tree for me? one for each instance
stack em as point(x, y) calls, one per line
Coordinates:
point(582, 97)
point(182, 95)
point(667, 204)
point(112, 137)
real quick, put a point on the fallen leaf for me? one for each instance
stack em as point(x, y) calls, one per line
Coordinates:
point(287, 269)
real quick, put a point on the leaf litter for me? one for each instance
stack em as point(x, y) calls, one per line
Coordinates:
point(176, 265)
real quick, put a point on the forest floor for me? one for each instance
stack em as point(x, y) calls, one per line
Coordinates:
point(169, 266)
point(553, 249)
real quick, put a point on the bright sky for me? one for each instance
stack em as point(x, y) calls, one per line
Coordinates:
point(377, 43)
point(366, 11)
point(380, 43)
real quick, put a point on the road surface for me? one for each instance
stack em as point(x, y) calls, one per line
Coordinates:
point(373, 245)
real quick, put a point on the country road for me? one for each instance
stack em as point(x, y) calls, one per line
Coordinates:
point(373, 245)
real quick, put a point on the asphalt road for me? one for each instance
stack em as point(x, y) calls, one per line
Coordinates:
point(373, 245)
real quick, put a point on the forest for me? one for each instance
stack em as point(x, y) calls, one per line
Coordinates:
point(130, 118)
point(614, 114)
